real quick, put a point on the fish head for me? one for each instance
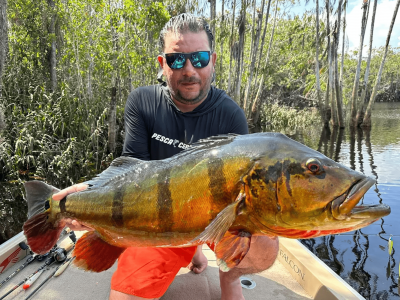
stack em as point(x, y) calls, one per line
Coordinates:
point(297, 192)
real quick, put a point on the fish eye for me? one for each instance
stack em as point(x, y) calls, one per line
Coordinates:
point(314, 165)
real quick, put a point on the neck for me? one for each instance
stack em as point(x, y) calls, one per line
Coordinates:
point(187, 107)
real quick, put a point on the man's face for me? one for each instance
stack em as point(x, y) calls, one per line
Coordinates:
point(188, 85)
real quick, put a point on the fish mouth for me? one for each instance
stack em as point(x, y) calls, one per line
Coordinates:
point(345, 206)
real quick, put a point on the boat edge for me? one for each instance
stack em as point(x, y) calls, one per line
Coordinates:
point(316, 278)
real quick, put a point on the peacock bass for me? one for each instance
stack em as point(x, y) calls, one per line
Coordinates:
point(221, 191)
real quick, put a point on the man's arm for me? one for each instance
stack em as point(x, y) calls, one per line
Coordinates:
point(136, 142)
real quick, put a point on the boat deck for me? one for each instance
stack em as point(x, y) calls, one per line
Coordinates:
point(275, 283)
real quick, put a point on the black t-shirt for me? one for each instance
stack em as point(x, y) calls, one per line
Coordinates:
point(156, 129)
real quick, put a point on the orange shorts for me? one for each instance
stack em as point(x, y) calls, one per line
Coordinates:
point(148, 272)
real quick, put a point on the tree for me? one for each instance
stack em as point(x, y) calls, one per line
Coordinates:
point(360, 111)
point(239, 63)
point(254, 47)
point(53, 49)
point(3, 40)
point(317, 80)
point(367, 117)
point(338, 103)
point(231, 45)
point(255, 108)
point(354, 96)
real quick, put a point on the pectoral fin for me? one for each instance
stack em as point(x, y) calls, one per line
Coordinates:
point(220, 225)
point(94, 254)
point(232, 248)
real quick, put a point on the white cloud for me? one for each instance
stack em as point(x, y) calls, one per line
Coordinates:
point(384, 14)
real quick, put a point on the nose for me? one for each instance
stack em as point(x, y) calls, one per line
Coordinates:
point(188, 69)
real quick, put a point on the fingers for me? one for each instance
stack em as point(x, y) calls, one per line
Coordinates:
point(72, 189)
point(75, 225)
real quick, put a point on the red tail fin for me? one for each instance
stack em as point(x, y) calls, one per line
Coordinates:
point(41, 234)
point(94, 254)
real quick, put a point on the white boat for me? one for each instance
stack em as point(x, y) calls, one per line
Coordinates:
point(296, 274)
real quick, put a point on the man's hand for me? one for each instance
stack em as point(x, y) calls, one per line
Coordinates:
point(199, 261)
point(71, 223)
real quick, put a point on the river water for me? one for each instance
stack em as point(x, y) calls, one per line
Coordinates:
point(361, 257)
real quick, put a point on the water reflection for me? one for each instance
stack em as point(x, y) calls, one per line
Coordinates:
point(362, 267)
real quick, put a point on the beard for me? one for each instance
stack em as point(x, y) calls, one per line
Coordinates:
point(203, 92)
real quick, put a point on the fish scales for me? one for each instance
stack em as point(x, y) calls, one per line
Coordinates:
point(223, 191)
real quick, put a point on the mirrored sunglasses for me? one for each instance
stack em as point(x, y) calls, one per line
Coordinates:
point(199, 59)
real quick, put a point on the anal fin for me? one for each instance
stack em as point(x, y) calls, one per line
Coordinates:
point(94, 254)
point(232, 248)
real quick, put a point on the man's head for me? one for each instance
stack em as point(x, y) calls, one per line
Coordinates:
point(188, 76)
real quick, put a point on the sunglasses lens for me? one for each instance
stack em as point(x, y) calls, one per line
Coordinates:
point(200, 59)
point(175, 60)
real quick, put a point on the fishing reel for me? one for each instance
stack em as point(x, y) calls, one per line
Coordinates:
point(60, 254)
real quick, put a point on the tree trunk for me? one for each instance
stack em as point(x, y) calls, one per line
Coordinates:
point(255, 109)
point(253, 59)
point(336, 79)
point(222, 43)
point(239, 68)
point(342, 58)
point(354, 96)
point(232, 47)
point(112, 121)
point(212, 16)
point(263, 36)
point(317, 81)
point(360, 111)
point(329, 81)
point(3, 41)
point(52, 57)
point(367, 117)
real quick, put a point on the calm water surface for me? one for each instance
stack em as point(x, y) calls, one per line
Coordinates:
point(361, 257)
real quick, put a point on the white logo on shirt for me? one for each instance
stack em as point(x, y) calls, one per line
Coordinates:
point(169, 141)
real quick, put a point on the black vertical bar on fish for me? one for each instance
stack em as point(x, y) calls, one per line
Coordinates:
point(164, 202)
point(118, 207)
point(62, 204)
point(217, 184)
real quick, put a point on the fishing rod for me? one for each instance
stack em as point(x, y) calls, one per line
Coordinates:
point(59, 255)
point(30, 259)
point(57, 272)
point(56, 254)
point(48, 262)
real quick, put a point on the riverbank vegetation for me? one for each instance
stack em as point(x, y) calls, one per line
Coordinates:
point(67, 67)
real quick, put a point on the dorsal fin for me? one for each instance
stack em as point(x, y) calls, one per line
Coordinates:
point(208, 143)
point(218, 140)
point(118, 166)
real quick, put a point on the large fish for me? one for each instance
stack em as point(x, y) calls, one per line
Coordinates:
point(221, 191)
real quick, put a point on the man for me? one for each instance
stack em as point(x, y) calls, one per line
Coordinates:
point(161, 121)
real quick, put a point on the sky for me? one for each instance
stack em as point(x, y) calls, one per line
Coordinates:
point(384, 14)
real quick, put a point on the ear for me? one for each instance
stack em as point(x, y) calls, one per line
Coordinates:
point(161, 61)
point(214, 58)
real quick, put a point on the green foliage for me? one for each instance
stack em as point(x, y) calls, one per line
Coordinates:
point(286, 118)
